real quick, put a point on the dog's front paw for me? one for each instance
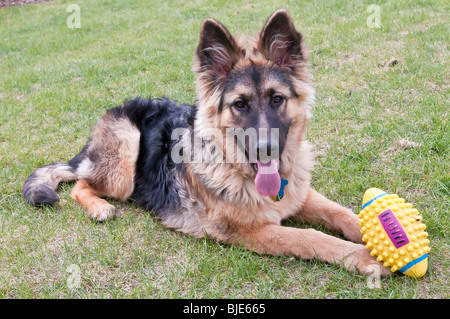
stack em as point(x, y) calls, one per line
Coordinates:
point(102, 213)
point(362, 261)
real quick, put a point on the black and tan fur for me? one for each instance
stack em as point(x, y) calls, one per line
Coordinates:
point(262, 83)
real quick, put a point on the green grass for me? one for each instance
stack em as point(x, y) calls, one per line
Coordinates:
point(55, 82)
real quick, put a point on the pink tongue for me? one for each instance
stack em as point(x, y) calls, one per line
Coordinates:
point(267, 179)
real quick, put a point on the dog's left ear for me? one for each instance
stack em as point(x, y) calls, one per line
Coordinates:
point(280, 42)
point(217, 51)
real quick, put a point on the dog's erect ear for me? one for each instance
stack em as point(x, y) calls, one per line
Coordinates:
point(217, 51)
point(279, 41)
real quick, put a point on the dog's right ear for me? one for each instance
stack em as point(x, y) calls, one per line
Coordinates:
point(217, 51)
point(280, 42)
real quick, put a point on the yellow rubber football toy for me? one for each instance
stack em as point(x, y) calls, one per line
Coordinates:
point(394, 232)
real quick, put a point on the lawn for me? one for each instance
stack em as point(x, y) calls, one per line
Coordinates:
point(377, 123)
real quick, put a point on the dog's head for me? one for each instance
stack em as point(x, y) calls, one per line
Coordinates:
point(257, 94)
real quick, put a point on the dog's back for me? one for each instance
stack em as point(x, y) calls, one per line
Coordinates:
point(128, 155)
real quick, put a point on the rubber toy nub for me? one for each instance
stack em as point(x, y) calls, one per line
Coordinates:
point(394, 232)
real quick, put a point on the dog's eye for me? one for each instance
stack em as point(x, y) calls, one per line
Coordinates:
point(239, 104)
point(277, 99)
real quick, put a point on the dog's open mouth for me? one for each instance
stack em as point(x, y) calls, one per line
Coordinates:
point(267, 179)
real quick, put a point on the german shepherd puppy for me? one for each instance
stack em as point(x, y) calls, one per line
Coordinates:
point(157, 153)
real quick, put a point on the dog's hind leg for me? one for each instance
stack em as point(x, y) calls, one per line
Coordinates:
point(106, 167)
point(97, 208)
point(109, 167)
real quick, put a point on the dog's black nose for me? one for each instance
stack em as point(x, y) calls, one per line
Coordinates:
point(268, 149)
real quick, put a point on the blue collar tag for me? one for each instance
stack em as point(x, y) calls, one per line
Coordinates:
point(280, 195)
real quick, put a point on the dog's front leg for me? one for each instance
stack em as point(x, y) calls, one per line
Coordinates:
point(309, 243)
point(317, 209)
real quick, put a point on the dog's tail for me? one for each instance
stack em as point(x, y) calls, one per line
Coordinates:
point(40, 187)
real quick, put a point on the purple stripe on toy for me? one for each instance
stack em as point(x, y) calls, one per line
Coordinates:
point(393, 228)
